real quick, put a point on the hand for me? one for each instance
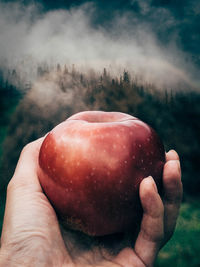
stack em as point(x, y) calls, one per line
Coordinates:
point(31, 233)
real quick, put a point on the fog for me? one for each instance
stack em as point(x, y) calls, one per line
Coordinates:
point(30, 37)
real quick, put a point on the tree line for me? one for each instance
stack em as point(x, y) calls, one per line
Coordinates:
point(174, 114)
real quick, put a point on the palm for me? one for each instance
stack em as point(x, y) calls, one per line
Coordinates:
point(36, 227)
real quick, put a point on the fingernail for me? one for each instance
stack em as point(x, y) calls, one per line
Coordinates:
point(171, 150)
point(178, 165)
point(155, 187)
point(153, 184)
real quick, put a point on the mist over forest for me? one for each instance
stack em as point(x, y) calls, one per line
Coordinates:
point(96, 35)
point(58, 58)
point(60, 91)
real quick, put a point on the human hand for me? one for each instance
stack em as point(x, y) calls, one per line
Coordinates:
point(31, 234)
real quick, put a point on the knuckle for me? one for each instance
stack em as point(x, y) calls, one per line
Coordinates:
point(17, 184)
point(26, 148)
point(171, 164)
point(10, 186)
point(31, 147)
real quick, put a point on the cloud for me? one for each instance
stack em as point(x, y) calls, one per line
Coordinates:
point(29, 37)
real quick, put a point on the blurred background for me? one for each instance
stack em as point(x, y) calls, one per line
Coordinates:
point(138, 57)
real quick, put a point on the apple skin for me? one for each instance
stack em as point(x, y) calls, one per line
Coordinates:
point(90, 168)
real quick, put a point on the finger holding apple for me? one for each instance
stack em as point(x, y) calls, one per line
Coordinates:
point(91, 166)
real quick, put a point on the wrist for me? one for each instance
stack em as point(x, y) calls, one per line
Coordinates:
point(12, 260)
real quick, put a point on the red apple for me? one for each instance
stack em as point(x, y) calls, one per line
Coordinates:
point(90, 168)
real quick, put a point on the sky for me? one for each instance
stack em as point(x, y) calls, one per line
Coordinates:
point(157, 39)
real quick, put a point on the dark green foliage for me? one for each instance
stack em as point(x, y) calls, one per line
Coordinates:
point(183, 248)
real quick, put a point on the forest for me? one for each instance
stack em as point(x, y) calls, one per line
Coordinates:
point(29, 110)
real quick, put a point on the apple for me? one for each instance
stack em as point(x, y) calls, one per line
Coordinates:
point(91, 166)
